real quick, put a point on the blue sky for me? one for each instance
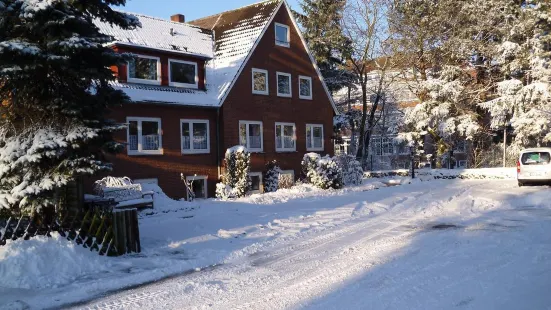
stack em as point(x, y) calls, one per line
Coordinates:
point(192, 9)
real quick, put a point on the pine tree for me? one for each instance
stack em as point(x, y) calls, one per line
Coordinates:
point(523, 57)
point(321, 27)
point(271, 177)
point(54, 93)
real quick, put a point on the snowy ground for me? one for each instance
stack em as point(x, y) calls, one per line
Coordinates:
point(444, 244)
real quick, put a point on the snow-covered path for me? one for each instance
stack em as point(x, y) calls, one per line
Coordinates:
point(435, 245)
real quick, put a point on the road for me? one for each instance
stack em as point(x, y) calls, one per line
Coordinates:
point(436, 245)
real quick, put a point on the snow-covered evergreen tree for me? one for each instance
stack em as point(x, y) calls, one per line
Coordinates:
point(523, 57)
point(447, 113)
point(323, 172)
point(271, 177)
point(54, 92)
point(321, 28)
point(352, 171)
point(236, 181)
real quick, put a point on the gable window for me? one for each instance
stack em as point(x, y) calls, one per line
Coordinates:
point(260, 81)
point(144, 69)
point(195, 136)
point(283, 84)
point(250, 135)
point(314, 137)
point(182, 73)
point(256, 182)
point(282, 37)
point(285, 137)
point(144, 136)
point(305, 87)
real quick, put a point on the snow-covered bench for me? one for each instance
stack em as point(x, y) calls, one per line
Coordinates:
point(124, 192)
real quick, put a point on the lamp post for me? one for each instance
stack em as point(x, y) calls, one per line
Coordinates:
point(412, 154)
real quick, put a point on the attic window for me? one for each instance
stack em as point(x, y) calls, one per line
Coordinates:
point(182, 73)
point(282, 37)
point(144, 69)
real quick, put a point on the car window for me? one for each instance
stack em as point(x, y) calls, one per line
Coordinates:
point(535, 158)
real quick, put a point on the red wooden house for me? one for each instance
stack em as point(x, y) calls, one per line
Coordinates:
point(243, 77)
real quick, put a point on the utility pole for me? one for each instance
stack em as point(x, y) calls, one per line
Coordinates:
point(504, 146)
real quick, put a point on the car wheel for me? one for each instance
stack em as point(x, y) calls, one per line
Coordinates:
point(520, 184)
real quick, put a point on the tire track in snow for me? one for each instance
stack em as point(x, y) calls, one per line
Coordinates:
point(181, 288)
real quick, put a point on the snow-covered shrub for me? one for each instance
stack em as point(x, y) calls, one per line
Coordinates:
point(235, 181)
point(323, 172)
point(271, 177)
point(309, 163)
point(351, 169)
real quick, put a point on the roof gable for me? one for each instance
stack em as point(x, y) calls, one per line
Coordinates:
point(161, 34)
point(236, 34)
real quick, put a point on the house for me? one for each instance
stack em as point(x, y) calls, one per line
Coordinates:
point(241, 77)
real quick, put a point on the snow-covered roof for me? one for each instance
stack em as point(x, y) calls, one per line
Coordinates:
point(164, 35)
point(236, 34)
point(167, 95)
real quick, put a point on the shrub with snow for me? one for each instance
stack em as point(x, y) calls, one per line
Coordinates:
point(323, 172)
point(235, 181)
point(352, 171)
point(271, 177)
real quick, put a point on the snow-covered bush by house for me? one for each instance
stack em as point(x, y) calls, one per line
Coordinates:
point(235, 181)
point(323, 172)
point(271, 176)
point(351, 169)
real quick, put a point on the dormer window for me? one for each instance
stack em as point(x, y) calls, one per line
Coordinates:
point(144, 69)
point(182, 73)
point(282, 37)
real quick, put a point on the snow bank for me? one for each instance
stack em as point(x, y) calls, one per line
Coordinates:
point(482, 173)
point(44, 262)
point(165, 204)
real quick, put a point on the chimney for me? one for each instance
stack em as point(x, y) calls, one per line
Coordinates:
point(179, 18)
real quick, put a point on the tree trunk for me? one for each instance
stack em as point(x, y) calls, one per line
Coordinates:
point(361, 141)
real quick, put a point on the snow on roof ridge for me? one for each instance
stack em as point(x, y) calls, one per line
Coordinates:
point(160, 19)
point(232, 10)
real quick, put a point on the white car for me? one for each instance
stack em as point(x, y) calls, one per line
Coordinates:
point(533, 166)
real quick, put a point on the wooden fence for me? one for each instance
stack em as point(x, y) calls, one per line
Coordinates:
point(108, 233)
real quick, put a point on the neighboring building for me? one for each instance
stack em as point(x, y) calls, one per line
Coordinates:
point(384, 152)
point(243, 77)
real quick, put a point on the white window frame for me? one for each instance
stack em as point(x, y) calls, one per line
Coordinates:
point(284, 44)
point(261, 186)
point(259, 92)
point(191, 122)
point(309, 79)
point(186, 85)
point(312, 148)
point(140, 151)
point(247, 123)
point(144, 81)
point(283, 149)
point(290, 94)
point(457, 163)
point(199, 177)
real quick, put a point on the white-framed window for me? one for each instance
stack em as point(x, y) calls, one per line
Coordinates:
point(144, 136)
point(260, 81)
point(144, 69)
point(382, 146)
point(285, 135)
point(304, 87)
point(286, 179)
point(282, 35)
point(460, 147)
point(250, 135)
point(183, 73)
point(314, 137)
point(256, 182)
point(461, 164)
point(284, 84)
point(197, 185)
point(195, 136)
